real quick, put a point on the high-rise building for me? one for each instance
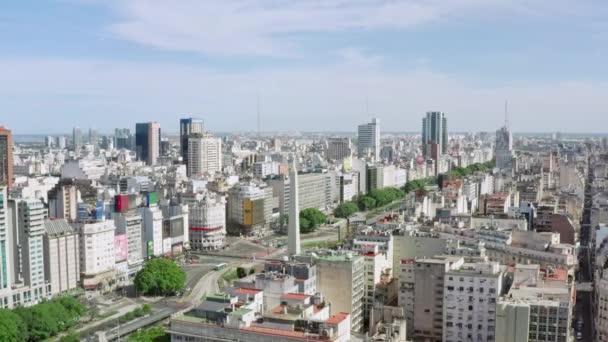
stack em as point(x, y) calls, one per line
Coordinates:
point(130, 223)
point(6, 157)
point(97, 252)
point(206, 220)
point(338, 148)
point(504, 149)
point(249, 208)
point(147, 142)
point(368, 140)
point(152, 222)
point(204, 155)
point(434, 135)
point(61, 142)
point(187, 127)
point(93, 137)
point(61, 256)
point(5, 246)
point(471, 292)
point(123, 139)
point(76, 139)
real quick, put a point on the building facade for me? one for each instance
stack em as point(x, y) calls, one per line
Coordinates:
point(147, 142)
point(368, 140)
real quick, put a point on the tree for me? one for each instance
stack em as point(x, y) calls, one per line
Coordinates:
point(146, 308)
point(72, 337)
point(160, 277)
point(154, 334)
point(12, 327)
point(252, 271)
point(240, 272)
point(310, 219)
point(346, 209)
point(366, 203)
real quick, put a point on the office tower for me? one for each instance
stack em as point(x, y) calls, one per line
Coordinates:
point(76, 139)
point(504, 149)
point(434, 135)
point(293, 235)
point(61, 256)
point(187, 127)
point(61, 142)
point(6, 157)
point(338, 148)
point(471, 292)
point(97, 253)
point(249, 208)
point(123, 139)
point(206, 220)
point(49, 141)
point(368, 140)
point(93, 137)
point(340, 277)
point(314, 191)
point(147, 142)
point(204, 155)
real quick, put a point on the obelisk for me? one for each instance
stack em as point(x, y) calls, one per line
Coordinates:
point(293, 233)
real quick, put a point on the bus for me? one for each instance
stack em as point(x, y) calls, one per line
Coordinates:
point(220, 266)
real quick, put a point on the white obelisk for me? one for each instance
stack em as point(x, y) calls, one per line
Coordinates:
point(293, 234)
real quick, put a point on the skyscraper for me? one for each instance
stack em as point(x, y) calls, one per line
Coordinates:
point(93, 137)
point(504, 149)
point(76, 139)
point(369, 140)
point(188, 127)
point(147, 142)
point(204, 155)
point(6, 157)
point(434, 135)
point(123, 138)
point(338, 148)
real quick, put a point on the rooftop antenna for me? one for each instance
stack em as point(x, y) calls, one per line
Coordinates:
point(367, 105)
point(259, 134)
point(506, 114)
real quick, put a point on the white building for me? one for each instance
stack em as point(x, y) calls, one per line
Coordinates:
point(204, 155)
point(89, 169)
point(601, 317)
point(152, 222)
point(469, 301)
point(368, 140)
point(97, 254)
point(206, 220)
point(61, 255)
point(264, 169)
point(130, 223)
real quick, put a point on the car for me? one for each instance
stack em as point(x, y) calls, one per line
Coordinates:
point(579, 336)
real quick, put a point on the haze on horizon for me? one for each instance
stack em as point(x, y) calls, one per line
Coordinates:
point(316, 65)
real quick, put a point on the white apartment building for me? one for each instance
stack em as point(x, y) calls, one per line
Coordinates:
point(204, 155)
point(207, 220)
point(130, 223)
point(152, 222)
point(62, 256)
point(97, 254)
point(469, 302)
point(264, 169)
point(83, 169)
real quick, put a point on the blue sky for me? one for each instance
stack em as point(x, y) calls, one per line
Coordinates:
point(313, 63)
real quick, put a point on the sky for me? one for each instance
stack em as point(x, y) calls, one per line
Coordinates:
point(314, 65)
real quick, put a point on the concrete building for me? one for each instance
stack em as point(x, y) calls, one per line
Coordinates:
point(77, 141)
point(97, 254)
point(147, 142)
point(152, 233)
point(249, 208)
point(314, 191)
point(5, 248)
point(341, 280)
point(188, 127)
point(368, 140)
point(61, 255)
point(83, 169)
point(130, 223)
point(428, 295)
point(305, 274)
point(265, 169)
point(339, 148)
point(204, 155)
point(6, 157)
point(207, 220)
point(601, 303)
point(434, 135)
point(123, 139)
point(471, 292)
point(538, 306)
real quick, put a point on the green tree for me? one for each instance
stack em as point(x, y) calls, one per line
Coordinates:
point(72, 337)
point(252, 271)
point(346, 209)
point(366, 203)
point(310, 219)
point(12, 327)
point(146, 308)
point(154, 334)
point(240, 272)
point(160, 277)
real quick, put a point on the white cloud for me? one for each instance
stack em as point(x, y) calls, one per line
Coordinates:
point(107, 94)
point(259, 27)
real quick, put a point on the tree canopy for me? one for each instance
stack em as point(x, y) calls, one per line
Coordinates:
point(47, 319)
point(310, 219)
point(461, 172)
point(12, 327)
point(346, 209)
point(160, 277)
point(379, 197)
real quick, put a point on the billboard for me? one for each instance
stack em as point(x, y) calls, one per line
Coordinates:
point(152, 198)
point(121, 247)
point(121, 203)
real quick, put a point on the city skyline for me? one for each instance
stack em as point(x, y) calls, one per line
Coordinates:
point(318, 64)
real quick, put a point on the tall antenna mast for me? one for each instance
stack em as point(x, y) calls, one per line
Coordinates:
point(367, 105)
point(506, 114)
point(259, 134)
